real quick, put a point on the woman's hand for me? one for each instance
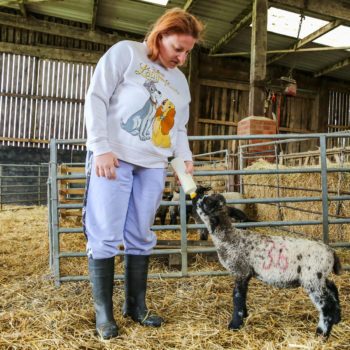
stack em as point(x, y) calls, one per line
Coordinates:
point(189, 170)
point(105, 165)
point(189, 167)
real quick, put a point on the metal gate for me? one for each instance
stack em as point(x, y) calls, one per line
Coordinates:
point(54, 206)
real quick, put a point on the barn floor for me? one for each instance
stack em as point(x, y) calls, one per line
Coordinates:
point(36, 315)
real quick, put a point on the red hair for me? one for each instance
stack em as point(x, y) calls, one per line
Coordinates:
point(174, 21)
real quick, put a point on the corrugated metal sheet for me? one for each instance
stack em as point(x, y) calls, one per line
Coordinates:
point(220, 16)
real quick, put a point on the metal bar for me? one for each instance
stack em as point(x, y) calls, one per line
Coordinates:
point(324, 186)
point(49, 221)
point(272, 143)
point(238, 137)
point(39, 185)
point(54, 212)
point(340, 245)
point(152, 275)
point(21, 201)
point(25, 165)
point(184, 255)
point(234, 172)
point(233, 201)
point(20, 177)
point(297, 188)
point(21, 186)
point(20, 193)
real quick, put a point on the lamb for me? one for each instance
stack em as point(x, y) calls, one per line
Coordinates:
point(284, 262)
point(163, 209)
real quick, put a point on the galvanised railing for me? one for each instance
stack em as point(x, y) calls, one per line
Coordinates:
point(54, 206)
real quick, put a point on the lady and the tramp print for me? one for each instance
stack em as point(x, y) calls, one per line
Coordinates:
point(156, 112)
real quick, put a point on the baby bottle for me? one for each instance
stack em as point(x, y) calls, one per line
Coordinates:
point(186, 180)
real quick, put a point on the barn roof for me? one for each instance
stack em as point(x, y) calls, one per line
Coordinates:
point(227, 26)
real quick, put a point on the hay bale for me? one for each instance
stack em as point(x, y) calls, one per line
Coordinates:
point(299, 185)
point(217, 182)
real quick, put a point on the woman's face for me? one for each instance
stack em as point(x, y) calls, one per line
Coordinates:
point(173, 49)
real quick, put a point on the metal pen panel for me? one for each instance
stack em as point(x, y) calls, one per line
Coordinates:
point(184, 250)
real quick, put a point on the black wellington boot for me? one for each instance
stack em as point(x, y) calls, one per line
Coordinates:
point(101, 278)
point(135, 285)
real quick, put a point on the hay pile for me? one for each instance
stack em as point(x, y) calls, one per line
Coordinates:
point(306, 182)
point(36, 315)
point(217, 182)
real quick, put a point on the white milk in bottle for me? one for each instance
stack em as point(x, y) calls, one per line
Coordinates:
point(186, 180)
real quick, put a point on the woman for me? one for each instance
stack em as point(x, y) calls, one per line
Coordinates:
point(126, 171)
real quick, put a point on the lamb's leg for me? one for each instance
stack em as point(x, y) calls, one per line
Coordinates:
point(333, 290)
point(325, 300)
point(239, 302)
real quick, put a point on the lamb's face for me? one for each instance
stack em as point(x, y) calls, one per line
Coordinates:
point(209, 206)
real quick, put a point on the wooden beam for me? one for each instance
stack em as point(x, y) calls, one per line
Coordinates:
point(228, 123)
point(194, 86)
point(94, 15)
point(15, 2)
point(229, 35)
point(333, 67)
point(336, 9)
point(70, 55)
point(23, 140)
point(258, 59)
point(309, 49)
point(343, 127)
point(311, 37)
point(217, 122)
point(58, 29)
point(22, 8)
point(224, 84)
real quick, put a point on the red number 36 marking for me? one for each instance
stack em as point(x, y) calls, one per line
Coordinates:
point(282, 260)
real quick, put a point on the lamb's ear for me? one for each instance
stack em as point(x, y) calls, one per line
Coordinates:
point(211, 205)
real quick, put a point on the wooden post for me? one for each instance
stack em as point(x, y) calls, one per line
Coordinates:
point(193, 82)
point(258, 58)
point(322, 107)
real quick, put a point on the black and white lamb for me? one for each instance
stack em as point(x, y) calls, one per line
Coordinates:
point(284, 262)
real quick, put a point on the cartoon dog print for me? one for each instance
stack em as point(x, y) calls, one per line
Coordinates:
point(163, 123)
point(141, 121)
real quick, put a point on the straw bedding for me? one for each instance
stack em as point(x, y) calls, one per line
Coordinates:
point(36, 315)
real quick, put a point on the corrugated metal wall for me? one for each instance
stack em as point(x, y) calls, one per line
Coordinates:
point(41, 99)
point(338, 116)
